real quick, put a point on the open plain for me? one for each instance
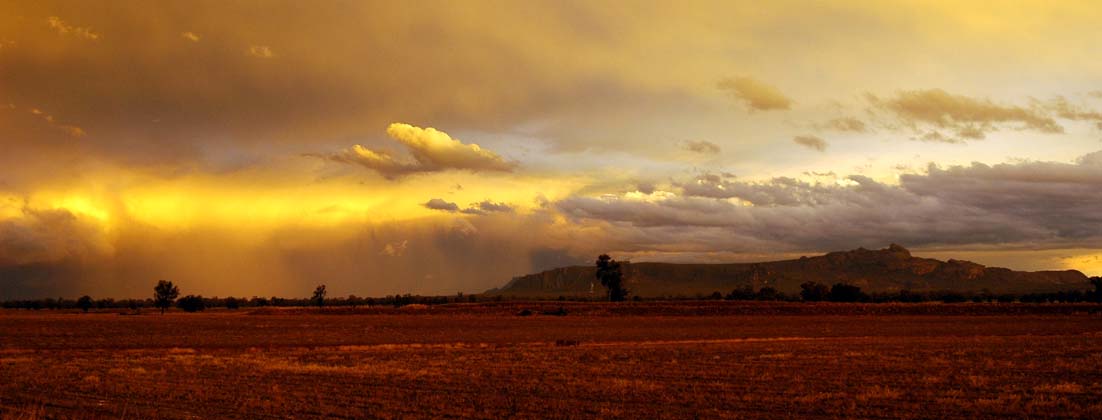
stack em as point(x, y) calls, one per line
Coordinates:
point(633, 360)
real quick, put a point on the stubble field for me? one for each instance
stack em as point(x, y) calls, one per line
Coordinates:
point(727, 360)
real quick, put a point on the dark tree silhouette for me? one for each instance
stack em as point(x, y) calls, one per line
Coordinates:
point(814, 292)
point(164, 294)
point(319, 296)
point(84, 303)
point(741, 293)
point(842, 292)
point(1096, 296)
point(191, 303)
point(608, 272)
point(769, 293)
point(232, 303)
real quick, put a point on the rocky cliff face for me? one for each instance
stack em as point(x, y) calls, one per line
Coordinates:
point(884, 270)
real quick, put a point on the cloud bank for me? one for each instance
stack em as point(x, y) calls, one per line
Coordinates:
point(1029, 204)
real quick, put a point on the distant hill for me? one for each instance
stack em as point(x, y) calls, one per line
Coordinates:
point(885, 270)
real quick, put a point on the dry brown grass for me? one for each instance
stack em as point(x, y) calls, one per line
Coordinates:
point(490, 365)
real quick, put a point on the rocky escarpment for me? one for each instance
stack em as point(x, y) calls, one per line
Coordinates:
point(885, 270)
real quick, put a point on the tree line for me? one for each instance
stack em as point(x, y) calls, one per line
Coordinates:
point(167, 295)
point(608, 272)
point(842, 292)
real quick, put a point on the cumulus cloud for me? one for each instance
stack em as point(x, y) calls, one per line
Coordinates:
point(481, 208)
point(1035, 204)
point(487, 207)
point(935, 110)
point(440, 204)
point(432, 151)
point(702, 147)
point(65, 28)
point(811, 142)
point(756, 95)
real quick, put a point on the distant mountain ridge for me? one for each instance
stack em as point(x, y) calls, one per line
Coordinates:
point(885, 270)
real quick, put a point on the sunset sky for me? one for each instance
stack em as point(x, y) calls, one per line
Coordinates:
point(262, 148)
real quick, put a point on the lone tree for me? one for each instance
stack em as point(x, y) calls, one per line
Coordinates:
point(608, 272)
point(84, 303)
point(319, 296)
point(164, 294)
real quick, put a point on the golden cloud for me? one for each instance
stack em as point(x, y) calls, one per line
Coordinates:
point(432, 151)
point(64, 28)
point(71, 130)
point(969, 118)
point(702, 146)
point(755, 94)
point(261, 51)
point(1067, 110)
point(846, 124)
point(811, 142)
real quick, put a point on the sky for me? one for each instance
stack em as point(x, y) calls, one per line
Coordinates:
point(261, 148)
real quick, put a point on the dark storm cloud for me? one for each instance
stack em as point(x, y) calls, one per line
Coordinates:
point(49, 236)
point(1035, 203)
point(173, 82)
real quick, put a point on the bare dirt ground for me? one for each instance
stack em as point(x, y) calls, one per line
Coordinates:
point(483, 361)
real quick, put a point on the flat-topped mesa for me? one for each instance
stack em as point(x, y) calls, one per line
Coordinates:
point(883, 270)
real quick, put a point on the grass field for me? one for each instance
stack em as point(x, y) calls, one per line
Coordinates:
point(638, 360)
